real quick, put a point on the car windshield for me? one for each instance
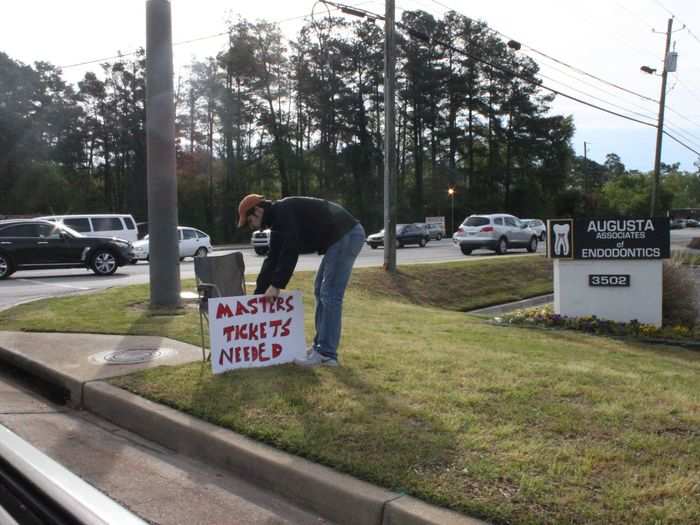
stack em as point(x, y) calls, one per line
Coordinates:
point(400, 227)
point(476, 221)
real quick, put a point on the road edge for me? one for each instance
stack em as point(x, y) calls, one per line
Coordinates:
point(338, 497)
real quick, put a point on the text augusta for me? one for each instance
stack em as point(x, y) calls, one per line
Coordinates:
point(620, 225)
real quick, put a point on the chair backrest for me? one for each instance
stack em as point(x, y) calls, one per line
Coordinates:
point(226, 272)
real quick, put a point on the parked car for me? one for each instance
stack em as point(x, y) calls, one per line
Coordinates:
point(33, 244)
point(497, 232)
point(435, 230)
point(692, 223)
point(538, 226)
point(192, 243)
point(261, 241)
point(405, 234)
point(677, 224)
point(142, 230)
point(108, 225)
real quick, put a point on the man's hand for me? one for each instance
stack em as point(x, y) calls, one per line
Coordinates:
point(272, 293)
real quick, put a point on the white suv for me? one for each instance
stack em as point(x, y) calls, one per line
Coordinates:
point(261, 241)
point(497, 232)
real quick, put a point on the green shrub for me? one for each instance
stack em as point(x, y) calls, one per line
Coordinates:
point(680, 304)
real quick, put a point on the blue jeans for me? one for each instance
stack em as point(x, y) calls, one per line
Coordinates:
point(331, 280)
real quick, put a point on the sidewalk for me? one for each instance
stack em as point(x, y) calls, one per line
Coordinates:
point(79, 364)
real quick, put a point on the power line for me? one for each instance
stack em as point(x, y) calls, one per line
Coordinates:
point(684, 134)
point(561, 62)
point(580, 71)
point(183, 42)
point(662, 6)
point(421, 36)
point(682, 143)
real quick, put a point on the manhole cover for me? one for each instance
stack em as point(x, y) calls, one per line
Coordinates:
point(131, 356)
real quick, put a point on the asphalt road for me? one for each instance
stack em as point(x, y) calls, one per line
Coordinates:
point(26, 286)
point(153, 482)
point(36, 284)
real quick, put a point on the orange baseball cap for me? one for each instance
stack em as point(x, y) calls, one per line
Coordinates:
point(248, 202)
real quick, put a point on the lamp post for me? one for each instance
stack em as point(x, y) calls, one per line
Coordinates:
point(451, 193)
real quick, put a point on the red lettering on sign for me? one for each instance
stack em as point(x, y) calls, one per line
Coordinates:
point(255, 353)
point(290, 303)
point(263, 330)
point(276, 350)
point(238, 354)
point(246, 353)
point(228, 355)
point(285, 327)
point(275, 324)
point(228, 331)
point(253, 332)
point(223, 310)
point(252, 305)
point(262, 353)
point(241, 309)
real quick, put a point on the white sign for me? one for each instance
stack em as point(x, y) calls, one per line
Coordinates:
point(436, 220)
point(248, 331)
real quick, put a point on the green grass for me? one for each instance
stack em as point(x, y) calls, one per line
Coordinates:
point(512, 425)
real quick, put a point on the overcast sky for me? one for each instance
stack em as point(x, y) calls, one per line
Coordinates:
point(607, 38)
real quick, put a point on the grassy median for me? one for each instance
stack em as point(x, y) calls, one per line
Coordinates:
point(512, 425)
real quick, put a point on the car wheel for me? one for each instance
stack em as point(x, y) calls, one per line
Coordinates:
point(502, 246)
point(422, 243)
point(399, 245)
point(103, 262)
point(439, 237)
point(134, 261)
point(201, 252)
point(261, 251)
point(6, 268)
point(465, 251)
point(542, 236)
point(532, 247)
point(373, 246)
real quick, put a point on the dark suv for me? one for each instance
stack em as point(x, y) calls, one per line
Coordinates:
point(37, 245)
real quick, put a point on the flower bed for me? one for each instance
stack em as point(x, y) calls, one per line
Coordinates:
point(545, 317)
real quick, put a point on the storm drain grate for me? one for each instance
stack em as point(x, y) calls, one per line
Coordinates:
point(131, 356)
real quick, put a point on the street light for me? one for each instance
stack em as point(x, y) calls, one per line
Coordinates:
point(451, 193)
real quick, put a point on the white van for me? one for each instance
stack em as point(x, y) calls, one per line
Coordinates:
point(107, 225)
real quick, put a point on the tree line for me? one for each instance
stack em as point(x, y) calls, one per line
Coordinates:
point(305, 116)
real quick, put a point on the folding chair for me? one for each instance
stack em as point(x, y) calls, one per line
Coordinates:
point(217, 276)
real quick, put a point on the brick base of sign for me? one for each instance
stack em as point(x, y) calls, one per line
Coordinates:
point(640, 297)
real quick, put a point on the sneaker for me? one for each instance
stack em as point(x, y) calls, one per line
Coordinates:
point(316, 359)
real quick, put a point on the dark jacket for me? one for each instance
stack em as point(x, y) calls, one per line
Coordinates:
point(299, 225)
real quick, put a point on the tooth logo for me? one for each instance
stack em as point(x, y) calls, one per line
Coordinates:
point(561, 243)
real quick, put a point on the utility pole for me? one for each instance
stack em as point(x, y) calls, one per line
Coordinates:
point(164, 268)
point(389, 141)
point(660, 127)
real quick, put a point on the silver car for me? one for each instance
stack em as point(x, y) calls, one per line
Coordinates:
point(497, 232)
point(538, 227)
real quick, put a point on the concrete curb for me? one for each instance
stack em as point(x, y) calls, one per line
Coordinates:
point(335, 496)
point(73, 388)
point(516, 305)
